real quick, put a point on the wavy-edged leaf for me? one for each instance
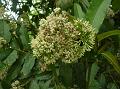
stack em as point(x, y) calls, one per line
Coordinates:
point(4, 30)
point(78, 13)
point(112, 60)
point(107, 34)
point(97, 12)
point(11, 58)
point(28, 64)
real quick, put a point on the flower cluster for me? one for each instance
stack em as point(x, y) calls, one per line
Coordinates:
point(62, 39)
point(2, 42)
point(110, 12)
point(2, 11)
point(3, 71)
point(16, 85)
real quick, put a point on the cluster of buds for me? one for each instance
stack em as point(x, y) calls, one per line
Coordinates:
point(3, 71)
point(62, 38)
point(110, 13)
point(16, 85)
point(2, 42)
point(2, 11)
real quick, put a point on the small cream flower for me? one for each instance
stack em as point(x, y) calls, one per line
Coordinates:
point(2, 42)
point(16, 85)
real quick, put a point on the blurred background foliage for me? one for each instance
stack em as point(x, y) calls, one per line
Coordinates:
point(98, 69)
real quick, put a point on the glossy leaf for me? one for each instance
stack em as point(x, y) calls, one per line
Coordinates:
point(28, 64)
point(112, 60)
point(15, 69)
point(4, 30)
point(107, 34)
point(24, 36)
point(4, 53)
point(78, 13)
point(11, 58)
point(92, 81)
point(97, 12)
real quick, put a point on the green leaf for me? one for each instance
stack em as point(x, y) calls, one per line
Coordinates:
point(90, 77)
point(94, 85)
point(45, 85)
point(64, 4)
point(11, 58)
point(94, 70)
point(4, 53)
point(112, 86)
point(116, 5)
point(4, 30)
point(14, 5)
point(14, 44)
point(85, 4)
point(78, 13)
point(112, 60)
point(28, 64)
point(15, 69)
point(0, 86)
point(66, 74)
point(102, 81)
point(43, 77)
point(34, 85)
point(97, 12)
point(107, 34)
point(24, 37)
